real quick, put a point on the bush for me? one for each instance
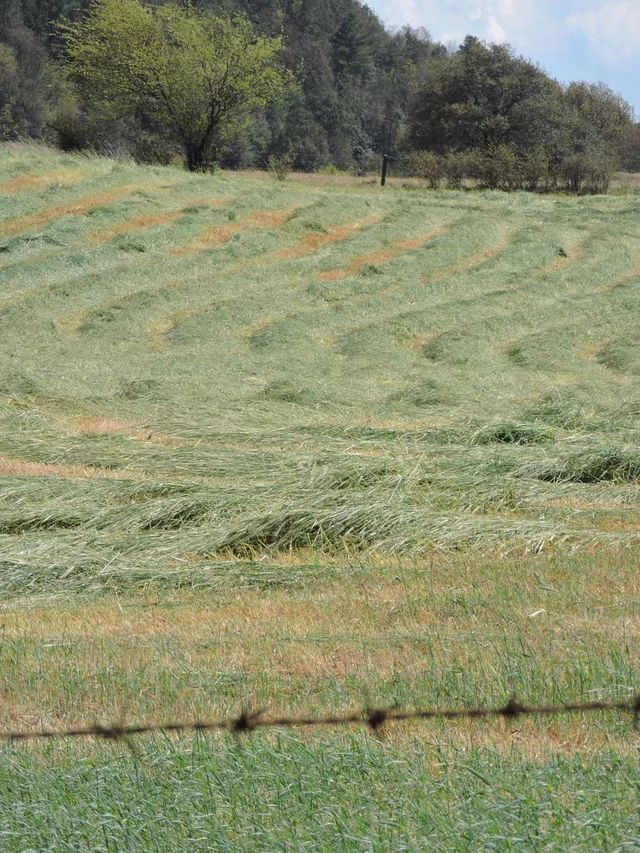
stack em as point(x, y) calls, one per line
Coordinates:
point(427, 165)
point(457, 167)
point(70, 126)
point(280, 165)
point(534, 168)
point(498, 168)
point(588, 172)
point(574, 170)
point(602, 168)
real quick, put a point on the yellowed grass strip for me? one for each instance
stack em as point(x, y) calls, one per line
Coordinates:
point(26, 468)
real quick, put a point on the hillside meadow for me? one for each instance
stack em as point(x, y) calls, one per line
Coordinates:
point(311, 446)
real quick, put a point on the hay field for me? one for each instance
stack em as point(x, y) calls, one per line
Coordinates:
point(312, 446)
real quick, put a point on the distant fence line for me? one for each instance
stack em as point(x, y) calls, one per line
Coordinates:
point(374, 720)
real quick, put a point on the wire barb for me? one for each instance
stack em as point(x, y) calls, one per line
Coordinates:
point(375, 719)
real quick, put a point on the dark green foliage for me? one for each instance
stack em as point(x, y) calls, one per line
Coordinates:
point(523, 129)
point(482, 97)
point(496, 119)
point(27, 83)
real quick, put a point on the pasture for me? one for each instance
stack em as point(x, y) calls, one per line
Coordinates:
point(311, 446)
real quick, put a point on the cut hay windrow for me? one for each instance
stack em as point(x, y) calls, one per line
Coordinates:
point(78, 207)
point(568, 254)
point(382, 256)
point(312, 242)
point(474, 261)
point(379, 420)
point(150, 220)
point(70, 323)
point(217, 235)
point(38, 180)
point(630, 274)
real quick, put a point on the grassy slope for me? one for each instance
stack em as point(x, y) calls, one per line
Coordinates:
point(259, 427)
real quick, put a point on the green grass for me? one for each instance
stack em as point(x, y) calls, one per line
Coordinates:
point(273, 794)
point(307, 446)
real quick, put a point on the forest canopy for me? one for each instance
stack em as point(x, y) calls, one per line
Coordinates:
point(320, 83)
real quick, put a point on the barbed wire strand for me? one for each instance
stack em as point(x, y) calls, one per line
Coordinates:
point(374, 719)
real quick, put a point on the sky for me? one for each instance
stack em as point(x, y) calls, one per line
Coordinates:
point(592, 40)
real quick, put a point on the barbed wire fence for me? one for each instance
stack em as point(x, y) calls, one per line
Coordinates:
point(373, 719)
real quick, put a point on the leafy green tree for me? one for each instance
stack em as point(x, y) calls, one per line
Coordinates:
point(198, 74)
point(28, 83)
point(483, 97)
point(630, 148)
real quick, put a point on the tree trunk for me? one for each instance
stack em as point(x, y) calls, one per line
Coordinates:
point(201, 156)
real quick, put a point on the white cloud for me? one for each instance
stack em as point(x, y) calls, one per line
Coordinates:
point(495, 31)
point(521, 22)
point(572, 39)
point(612, 29)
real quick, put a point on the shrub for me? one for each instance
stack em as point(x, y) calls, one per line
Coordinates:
point(534, 168)
point(498, 168)
point(574, 170)
point(457, 167)
point(427, 165)
point(70, 126)
point(280, 165)
point(602, 168)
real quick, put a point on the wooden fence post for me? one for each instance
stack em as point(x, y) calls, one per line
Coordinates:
point(385, 164)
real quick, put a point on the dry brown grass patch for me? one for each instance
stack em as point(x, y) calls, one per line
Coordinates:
point(313, 242)
point(149, 220)
point(132, 226)
point(127, 429)
point(26, 468)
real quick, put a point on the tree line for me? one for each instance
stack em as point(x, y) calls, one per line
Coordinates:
point(313, 84)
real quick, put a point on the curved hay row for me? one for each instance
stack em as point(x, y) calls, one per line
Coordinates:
point(16, 298)
point(161, 328)
point(313, 242)
point(72, 321)
point(148, 220)
point(631, 273)
point(44, 179)
point(104, 235)
point(382, 256)
point(310, 244)
point(573, 250)
point(214, 236)
point(12, 227)
point(70, 324)
point(476, 260)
